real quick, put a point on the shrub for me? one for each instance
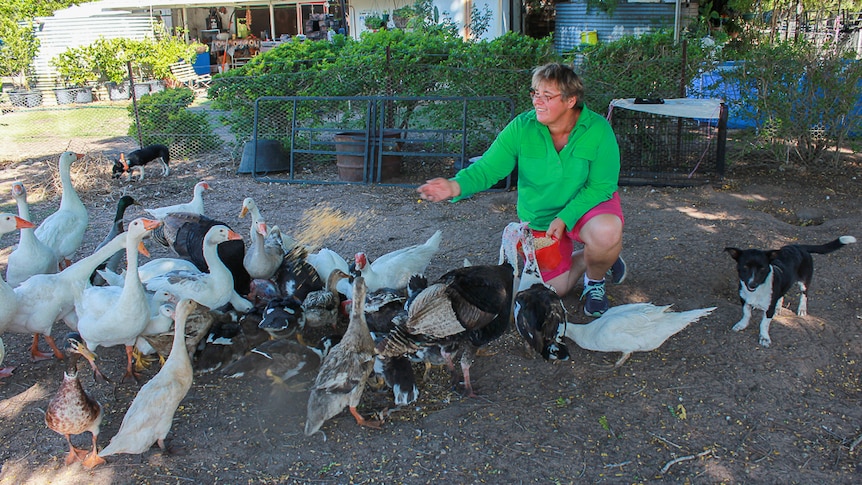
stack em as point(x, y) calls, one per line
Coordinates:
point(649, 65)
point(165, 119)
point(802, 99)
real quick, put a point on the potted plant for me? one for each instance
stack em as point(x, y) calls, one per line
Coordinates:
point(76, 70)
point(19, 48)
point(374, 22)
point(401, 16)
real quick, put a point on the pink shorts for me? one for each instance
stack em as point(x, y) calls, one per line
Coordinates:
point(567, 245)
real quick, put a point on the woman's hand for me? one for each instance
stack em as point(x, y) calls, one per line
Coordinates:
point(556, 229)
point(438, 189)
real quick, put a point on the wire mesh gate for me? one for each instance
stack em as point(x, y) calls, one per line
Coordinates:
point(395, 141)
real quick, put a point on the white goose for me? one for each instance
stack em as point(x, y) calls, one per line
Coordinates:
point(32, 256)
point(63, 231)
point(43, 299)
point(213, 289)
point(393, 270)
point(111, 315)
point(149, 417)
point(9, 223)
point(196, 205)
point(264, 255)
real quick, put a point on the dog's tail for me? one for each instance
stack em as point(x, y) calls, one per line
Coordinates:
point(830, 246)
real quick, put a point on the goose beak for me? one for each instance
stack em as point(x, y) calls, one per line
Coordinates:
point(261, 228)
point(23, 223)
point(150, 224)
point(244, 211)
point(79, 156)
point(232, 235)
point(143, 249)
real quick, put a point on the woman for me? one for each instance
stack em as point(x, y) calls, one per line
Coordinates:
point(568, 164)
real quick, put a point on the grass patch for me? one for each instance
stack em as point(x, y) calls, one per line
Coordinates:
point(79, 122)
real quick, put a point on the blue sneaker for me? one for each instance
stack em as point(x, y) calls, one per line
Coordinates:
point(617, 272)
point(596, 302)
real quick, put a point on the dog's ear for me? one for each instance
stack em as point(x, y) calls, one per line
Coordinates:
point(734, 252)
point(772, 254)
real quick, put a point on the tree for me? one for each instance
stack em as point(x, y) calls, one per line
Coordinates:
point(19, 44)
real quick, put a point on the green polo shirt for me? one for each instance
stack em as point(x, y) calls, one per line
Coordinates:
point(567, 184)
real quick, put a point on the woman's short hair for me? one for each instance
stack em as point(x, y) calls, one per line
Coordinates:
point(566, 79)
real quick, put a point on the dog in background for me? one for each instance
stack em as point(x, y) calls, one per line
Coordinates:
point(138, 158)
point(766, 276)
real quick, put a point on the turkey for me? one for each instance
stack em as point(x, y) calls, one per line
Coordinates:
point(463, 310)
point(635, 327)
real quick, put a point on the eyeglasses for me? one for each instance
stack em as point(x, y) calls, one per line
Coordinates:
point(545, 98)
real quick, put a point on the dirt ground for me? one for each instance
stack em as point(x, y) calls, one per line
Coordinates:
point(709, 406)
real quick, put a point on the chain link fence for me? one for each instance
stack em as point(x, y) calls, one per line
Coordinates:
point(221, 125)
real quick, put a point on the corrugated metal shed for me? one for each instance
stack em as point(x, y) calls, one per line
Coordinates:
point(628, 19)
point(59, 33)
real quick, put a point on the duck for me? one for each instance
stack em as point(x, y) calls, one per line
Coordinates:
point(184, 233)
point(112, 315)
point(159, 323)
point(538, 310)
point(148, 419)
point(229, 338)
point(394, 269)
point(113, 263)
point(8, 301)
point(296, 277)
point(213, 289)
point(44, 299)
point(32, 256)
point(72, 410)
point(324, 262)
point(150, 269)
point(283, 317)
point(629, 328)
point(198, 325)
point(264, 254)
point(321, 307)
point(397, 374)
point(63, 231)
point(465, 309)
point(195, 206)
point(281, 360)
point(381, 307)
point(343, 373)
point(261, 292)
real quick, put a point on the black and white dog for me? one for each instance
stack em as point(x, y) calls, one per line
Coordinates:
point(766, 276)
point(138, 158)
